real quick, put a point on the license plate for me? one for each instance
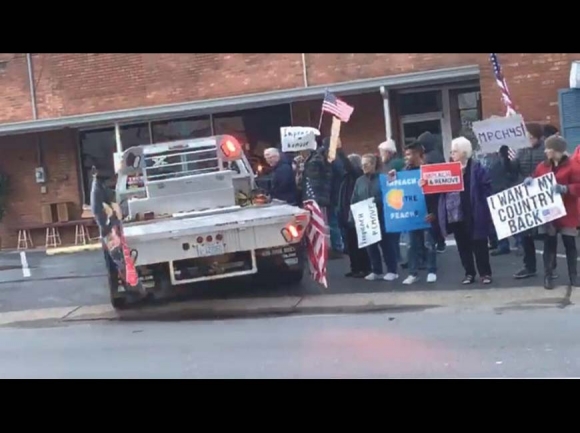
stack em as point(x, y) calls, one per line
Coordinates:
point(211, 250)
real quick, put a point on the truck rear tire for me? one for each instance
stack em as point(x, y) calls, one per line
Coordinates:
point(293, 277)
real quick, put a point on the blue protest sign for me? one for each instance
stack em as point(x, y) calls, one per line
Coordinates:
point(404, 203)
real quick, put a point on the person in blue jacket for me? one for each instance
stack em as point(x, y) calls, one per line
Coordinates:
point(283, 186)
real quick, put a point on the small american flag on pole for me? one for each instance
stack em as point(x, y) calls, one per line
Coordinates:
point(505, 92)
point(336, 107)
point(316, 239)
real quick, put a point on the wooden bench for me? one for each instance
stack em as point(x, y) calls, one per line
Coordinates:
point(52, 237)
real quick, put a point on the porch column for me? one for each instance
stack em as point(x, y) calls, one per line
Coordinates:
point(387, 113)
point(118, 138)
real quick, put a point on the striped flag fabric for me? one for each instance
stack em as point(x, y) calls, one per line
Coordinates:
point(316, 239)
point(338, 108)
point(505, 92)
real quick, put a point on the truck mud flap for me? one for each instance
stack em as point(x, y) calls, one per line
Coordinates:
point(190, 271)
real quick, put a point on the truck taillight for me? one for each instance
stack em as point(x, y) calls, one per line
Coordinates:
point(230, 148)
point(291, 233)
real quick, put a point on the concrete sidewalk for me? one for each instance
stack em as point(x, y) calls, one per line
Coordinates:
point(499, 300)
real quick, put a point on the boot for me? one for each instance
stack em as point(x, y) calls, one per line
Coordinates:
point(548, 282)
point(572, 269)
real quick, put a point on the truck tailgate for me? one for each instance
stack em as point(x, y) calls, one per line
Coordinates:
point(191, 226)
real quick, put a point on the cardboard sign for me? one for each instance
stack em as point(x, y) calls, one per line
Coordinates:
point(440, 178)
point(334, 136)
point(404, 203)
point(522, 207)
point(366, 221)
point(494, 132)
point(298, 138)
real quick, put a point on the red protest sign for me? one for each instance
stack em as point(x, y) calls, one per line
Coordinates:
point(441, 178)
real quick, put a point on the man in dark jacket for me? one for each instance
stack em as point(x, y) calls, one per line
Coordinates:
point(318, 179)
point(526, 161)
point(432, 156)
point(283, 185)
point(503, 176)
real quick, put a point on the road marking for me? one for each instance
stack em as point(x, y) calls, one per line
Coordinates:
point(24, 262)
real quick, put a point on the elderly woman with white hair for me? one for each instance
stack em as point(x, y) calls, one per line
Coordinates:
point(466, 214)
point(389, 159)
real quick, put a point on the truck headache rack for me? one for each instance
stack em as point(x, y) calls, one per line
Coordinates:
point(180, 177)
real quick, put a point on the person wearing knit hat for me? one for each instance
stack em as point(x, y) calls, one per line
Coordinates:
point(567, 173)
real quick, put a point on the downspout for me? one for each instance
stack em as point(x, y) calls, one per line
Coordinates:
point(31, 85)
point(304, 74)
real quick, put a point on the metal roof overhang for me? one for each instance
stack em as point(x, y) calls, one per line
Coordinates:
point(234, 103)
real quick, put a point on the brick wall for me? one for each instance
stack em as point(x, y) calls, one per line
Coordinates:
point(69, 84)
point(364, 131)
point(19, 159)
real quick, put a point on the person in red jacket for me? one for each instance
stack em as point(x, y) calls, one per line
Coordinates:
point(567, 173)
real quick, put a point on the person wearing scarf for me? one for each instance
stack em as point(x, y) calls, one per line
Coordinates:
point(466, 214)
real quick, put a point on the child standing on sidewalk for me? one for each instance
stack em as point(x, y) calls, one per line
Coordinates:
point(419, 239)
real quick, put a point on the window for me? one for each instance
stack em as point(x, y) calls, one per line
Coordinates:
point(97, 148)
point(256, 129)
point(135, 135)
point(420, 102)
point(465, 107)
point(181, 129)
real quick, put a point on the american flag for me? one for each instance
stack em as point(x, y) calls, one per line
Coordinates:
point(316, 239)
point(505, 92)
point(336, 107)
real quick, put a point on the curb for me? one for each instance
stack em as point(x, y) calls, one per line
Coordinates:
point(396, 302)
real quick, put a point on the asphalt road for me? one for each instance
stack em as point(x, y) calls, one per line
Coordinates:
point(430, 344)
point(79, 279)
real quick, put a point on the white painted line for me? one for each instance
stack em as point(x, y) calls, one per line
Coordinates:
point(24, 262)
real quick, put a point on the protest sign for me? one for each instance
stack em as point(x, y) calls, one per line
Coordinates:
point(334, 137)
point(522, 207)
point(404, 203)
point(494, 132)
point(366, 221)
point(440, 178)
point(298, 138)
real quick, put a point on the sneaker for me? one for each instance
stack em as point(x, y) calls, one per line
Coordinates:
point(391, 277)
point(411, 279)
point(548, 283)
point(441, 248)
point(524, 273)
point(431, 278)
point(373, 277)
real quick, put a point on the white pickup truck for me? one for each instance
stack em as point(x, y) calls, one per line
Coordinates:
point(188, 216)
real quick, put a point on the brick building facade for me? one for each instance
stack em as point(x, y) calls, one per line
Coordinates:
point(51, 103)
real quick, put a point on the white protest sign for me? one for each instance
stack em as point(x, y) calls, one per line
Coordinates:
point(298, 138)
point(494, 132)
point(524, 207)
point(366, 221)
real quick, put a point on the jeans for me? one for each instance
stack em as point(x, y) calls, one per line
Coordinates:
point(529, 253)
point(423, 249)
point(388, 246)
point(336, 240)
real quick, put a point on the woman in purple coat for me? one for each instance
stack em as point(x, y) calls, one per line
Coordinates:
point(466, 214)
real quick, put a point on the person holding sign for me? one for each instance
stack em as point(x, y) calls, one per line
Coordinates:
point(369, 186)
point(526, 161)
point(466, 213)
point(414, 157)
point(567, 173)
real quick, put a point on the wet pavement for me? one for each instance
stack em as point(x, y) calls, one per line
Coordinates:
point(429, 344)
